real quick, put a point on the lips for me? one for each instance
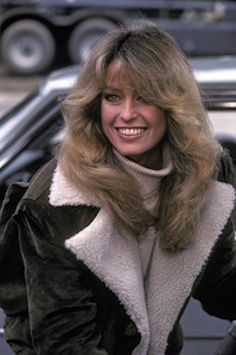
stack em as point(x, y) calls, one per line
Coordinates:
point(130, 131)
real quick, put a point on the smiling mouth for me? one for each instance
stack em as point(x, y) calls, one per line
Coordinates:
point(130, 131)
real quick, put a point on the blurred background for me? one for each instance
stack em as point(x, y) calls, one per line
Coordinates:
point(38, 37)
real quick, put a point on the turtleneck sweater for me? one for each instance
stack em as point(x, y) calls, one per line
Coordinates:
point(148, 181)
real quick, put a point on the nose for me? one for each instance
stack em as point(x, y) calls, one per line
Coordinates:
point(128, 110)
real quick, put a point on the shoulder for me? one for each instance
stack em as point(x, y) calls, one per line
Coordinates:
point(36, 204)
point(29, 205)
point(19, 192)
point(39, 186)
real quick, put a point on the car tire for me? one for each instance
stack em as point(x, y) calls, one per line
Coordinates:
point(84, 37)
point(27, 47)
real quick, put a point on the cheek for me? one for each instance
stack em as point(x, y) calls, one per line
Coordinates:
point(163, 125)
point(105, 112)
point(103, 116)
point(108, 116)
point(106, 120)
point(160, 123)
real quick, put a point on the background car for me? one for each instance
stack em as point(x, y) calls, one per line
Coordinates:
point(31, 131)
point(38, 34)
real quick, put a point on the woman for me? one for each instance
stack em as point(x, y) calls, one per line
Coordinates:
point(112, 238)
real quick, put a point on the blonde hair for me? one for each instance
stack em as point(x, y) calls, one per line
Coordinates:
point(158, 69)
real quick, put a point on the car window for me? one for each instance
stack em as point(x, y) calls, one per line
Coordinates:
point(30, 116)
point(15, 117)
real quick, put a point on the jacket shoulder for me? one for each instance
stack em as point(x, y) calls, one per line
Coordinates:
point(41, 181)
point(19, 191)
point(35, 209)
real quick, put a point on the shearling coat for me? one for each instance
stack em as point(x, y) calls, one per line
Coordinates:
point(72, 284)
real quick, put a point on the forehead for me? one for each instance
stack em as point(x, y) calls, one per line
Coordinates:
point(118, 75)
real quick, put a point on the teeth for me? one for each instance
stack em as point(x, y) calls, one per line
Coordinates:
point(131, 131)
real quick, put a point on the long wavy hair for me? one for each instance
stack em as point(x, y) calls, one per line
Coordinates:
point(157, 68)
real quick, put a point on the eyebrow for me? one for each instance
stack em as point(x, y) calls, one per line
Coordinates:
point(112, 88)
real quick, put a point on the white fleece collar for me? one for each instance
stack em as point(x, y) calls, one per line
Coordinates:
point(114, 258)
point(64, 193)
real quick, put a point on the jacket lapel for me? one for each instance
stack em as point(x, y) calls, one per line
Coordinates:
point(114, 257)
point(171, 276)
point(109, 252)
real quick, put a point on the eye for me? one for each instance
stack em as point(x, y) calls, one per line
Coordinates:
point(111, 97)
point(144, 100)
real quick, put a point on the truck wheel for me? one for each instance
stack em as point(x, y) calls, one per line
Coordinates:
point(27, 47)
point(85, 36)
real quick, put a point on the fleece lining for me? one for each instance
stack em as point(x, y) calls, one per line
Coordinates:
point(107, 250)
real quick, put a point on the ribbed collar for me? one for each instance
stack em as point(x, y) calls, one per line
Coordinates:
point(148, 179)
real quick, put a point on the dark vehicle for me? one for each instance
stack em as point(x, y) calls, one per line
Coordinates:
point(31, 131)
point(36, 33)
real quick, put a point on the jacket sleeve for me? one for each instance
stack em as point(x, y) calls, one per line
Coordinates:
point(62, 308)
point(216, 287)
point(13, 298)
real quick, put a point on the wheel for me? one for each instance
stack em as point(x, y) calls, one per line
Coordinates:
point(27, 47)
point(85, 36)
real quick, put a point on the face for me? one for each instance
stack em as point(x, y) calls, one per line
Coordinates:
point(134, 126)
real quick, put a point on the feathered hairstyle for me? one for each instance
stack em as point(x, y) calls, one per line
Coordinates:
point(156, 67)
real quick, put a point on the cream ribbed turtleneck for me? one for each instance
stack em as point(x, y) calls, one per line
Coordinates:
point(148, 180)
